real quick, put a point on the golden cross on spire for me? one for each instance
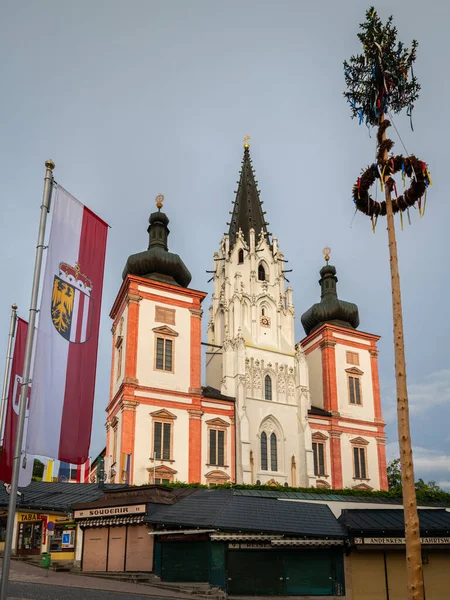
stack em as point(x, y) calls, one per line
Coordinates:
point(159, 201)
point(246, 138)
point(326, 253)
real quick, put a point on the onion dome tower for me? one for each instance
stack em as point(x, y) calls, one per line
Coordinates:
point(157, 262)
point(330, 309)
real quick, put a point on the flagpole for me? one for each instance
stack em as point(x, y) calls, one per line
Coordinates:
point(45, 209)
point(12, 331)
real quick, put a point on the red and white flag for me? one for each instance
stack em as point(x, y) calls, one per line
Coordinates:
point(62, 395)
point(12, 412)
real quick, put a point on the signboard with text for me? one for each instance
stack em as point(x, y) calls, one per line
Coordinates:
point(110, 511)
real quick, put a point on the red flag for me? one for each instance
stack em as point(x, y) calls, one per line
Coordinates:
point(12, 407)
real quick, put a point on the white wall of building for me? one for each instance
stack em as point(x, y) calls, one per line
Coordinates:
point(364, 412)
point(314, 360)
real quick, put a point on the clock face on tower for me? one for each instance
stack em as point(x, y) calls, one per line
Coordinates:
point(265, 321)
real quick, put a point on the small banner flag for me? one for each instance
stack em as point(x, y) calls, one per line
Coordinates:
point(62, 396)
point(12, 413)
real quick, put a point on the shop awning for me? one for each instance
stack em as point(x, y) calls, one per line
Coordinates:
point(299, 542)
point(243, 537)
point(130, 520)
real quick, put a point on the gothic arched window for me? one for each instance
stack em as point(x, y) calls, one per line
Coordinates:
point(273, 453)
point(268, 387)
point(261, 272)
point(263, 451)
point(240, 256)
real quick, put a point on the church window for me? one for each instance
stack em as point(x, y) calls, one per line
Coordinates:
point(263, 312)
point(263, 451)
point(115, 440)
point(162, 438)
point(353, 358)
point(273, 453)
point(354, 389)
point(119, 349)
point(164, 354)
point(359, 462)
point(319, 458)
point(240, 256)
point(261, 272)
point(161, 474)
point(268, 387)
point(165, 315)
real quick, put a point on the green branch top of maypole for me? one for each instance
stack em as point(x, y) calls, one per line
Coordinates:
point(379, 80)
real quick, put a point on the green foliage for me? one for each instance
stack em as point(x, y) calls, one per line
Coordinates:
point(427, 492)
point(38, 470)
point(382, 77)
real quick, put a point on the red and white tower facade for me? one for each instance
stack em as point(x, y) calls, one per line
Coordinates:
point(162, 426)
point(345, 416)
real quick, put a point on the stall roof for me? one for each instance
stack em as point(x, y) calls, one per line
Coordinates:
point(224, 510)
point(388, 520)
point(55, 496)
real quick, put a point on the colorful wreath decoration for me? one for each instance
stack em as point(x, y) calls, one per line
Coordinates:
point(411, 167)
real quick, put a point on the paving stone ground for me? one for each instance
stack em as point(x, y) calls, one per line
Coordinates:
point(28, 581)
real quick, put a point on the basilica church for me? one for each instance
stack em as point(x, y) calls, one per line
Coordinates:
point(272, 410)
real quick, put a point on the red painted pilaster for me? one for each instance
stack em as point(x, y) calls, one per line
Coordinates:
point(336, 459)
point(233, 449)
point(381, 450)
point(330, 396)
point(195, 445)
point(378, 415)
point(133, 299)
point(196, 333)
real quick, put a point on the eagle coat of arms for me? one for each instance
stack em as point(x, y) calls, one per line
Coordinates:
point(72, 304)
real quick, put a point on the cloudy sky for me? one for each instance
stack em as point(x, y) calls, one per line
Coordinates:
point(132, 99)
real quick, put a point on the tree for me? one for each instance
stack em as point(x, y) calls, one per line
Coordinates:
point(38, 470)
point(395, 481)
point(379, 80)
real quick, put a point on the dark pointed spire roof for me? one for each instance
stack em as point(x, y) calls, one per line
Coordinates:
point(330, 309)
point(157, 262)
point(247, 211)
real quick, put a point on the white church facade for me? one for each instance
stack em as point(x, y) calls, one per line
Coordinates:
point(272, 410)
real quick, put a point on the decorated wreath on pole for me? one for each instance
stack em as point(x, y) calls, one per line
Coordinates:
point(381, 80)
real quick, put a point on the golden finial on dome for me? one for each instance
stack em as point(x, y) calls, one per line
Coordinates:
point(159, 201)
point(326, 253)
point(246, 144)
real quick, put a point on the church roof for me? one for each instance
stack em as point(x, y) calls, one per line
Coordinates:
point(247, 212)
point(157, 262)
point(330, 309)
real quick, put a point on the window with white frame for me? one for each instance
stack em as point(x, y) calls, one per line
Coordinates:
point(359, 452)
point(267, 387)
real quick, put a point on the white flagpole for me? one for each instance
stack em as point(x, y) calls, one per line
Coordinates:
point(12, 332)
point(45, 209)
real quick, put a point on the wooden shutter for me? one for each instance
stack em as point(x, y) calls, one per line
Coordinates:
point(166, 441)
point(160, 353)
point(356, 461)
point(320, 448)
point(221, 448)
point(168, 355)
point(157, 439)
point(212, 446)
point(352, 389)
point(362, 462)
point(357, 390)
point(273, 453)
point(263, 451)
point(316, 470)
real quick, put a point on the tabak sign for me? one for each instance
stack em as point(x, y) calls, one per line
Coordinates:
point(110, 511)
point(398, 541)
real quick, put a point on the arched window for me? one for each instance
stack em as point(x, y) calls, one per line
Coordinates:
point(261, 272)
point(240, 256)
point(263, 312)
point(268, 387)
point(263, 451)
point(273, 453)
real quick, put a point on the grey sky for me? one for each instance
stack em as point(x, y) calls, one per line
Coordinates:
point(132, 99)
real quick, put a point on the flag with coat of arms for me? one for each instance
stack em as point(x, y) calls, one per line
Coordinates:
point(62, 393)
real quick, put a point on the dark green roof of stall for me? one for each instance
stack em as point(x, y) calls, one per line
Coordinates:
point(432, 521)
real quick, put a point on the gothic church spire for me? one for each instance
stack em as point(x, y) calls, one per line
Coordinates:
point(247, 211)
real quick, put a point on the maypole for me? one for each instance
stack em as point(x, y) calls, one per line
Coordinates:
point(381, 81)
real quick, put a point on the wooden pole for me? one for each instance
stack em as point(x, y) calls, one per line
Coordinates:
point(412, 529)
